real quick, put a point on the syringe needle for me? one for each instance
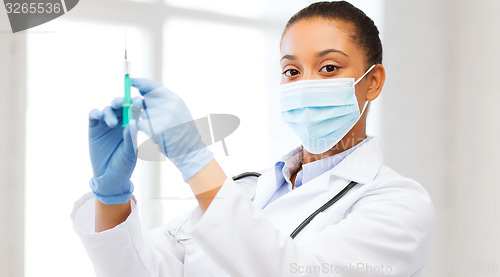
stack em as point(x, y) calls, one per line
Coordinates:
point(125, 43)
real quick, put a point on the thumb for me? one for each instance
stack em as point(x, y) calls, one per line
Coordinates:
point(130, 138)
point(137, 107)
point(146, 126)
point(144, 85)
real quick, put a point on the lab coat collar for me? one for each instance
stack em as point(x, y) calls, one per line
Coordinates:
point(361, 166)
point(268, 183)
point(287, 165)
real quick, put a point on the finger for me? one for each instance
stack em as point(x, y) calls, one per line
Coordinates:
point(94, 117)
point(117, 103)
point(117, 106)
point(144, 85)
point(110, 117)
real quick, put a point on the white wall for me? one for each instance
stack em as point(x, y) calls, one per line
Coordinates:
point(475, 157)
point(440, 124)
point(12, 116)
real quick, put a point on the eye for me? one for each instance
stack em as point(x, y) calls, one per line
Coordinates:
point(329, 68)
point(290, 72)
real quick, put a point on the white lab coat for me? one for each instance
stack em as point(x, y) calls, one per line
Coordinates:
point(381, 227)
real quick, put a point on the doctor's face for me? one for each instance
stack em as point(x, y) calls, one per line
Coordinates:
point(317, 48)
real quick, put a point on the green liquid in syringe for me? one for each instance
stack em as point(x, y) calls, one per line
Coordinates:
point(127, 101)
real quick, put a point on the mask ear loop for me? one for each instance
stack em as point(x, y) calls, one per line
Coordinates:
point(368, 71)
point(364, 107)
point(355, 83)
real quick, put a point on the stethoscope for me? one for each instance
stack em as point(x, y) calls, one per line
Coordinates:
point(337, 197)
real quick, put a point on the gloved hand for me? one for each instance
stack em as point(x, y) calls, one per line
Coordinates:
point(167, 120)
point(112, 154)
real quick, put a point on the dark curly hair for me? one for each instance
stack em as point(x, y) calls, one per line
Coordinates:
point(365, 33)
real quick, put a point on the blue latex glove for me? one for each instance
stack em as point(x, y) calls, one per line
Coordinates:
point(112, 154)
point(167, 120)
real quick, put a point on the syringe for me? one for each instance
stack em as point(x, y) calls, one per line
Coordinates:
point(127, 100)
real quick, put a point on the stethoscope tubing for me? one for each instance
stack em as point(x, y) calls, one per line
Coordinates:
point(299, 228)
point(322, 209)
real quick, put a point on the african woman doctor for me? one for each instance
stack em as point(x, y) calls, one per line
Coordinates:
point(331, 68)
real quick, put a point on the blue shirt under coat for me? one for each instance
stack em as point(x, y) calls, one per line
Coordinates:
point(293, 161)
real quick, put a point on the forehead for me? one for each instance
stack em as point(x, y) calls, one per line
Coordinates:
point(309, 36)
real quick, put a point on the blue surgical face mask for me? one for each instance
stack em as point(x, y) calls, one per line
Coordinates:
point(321, 112)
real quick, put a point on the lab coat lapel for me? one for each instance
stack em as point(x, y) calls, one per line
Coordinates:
point(291, 209)
point(287, 212)
point(266, 187)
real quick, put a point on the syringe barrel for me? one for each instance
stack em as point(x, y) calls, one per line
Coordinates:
point(126, 67)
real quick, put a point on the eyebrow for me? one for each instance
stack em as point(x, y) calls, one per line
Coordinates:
point(290, 57)
point(320, 54)
point(324, 52)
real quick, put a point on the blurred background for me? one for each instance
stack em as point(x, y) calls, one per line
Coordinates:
point(436, 117)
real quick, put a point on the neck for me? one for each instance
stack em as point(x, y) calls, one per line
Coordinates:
point(355, 136)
